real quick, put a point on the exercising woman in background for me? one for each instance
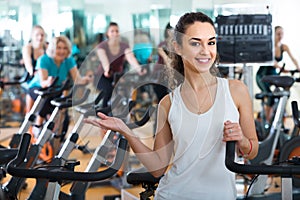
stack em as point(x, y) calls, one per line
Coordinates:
point(280, 48)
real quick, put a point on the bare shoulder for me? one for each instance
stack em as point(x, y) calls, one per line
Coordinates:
point(285, 47)
point(101, 52)
point(165, 102)
point(27, 47)
point(239, 91)
point(237, 85)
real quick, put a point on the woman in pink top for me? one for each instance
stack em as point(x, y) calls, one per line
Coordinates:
point(112, 54)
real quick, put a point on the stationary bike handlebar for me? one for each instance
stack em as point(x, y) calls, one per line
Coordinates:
point(284, 170)
point(292, 72)
point(53, 90)
point(61, 174)
point(144, 119)
point(74, 90)
point(18, 81)
point(69, 102)
point(83, 108)
point(295, 112)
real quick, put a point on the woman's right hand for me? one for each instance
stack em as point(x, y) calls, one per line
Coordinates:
point(109, 123)
point(50, 80)
point(142, 71)
point(107, 74)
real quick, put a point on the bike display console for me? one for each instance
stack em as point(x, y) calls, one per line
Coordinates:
point(245, 38)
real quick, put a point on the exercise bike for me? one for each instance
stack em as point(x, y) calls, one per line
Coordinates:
point(79, 188)
point(291, 147)
point(276, 136)
point(13, 186)
point(16, 168)
point(262, 125)
point(285, 170)
point(12, 99)
point(53, 188)
point(62, 157)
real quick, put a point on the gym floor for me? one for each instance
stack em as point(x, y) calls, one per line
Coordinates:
point(92, 135)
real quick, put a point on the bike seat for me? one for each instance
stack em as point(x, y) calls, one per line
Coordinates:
point(261, 95)
point(279, 81)
point(68, 102)
point(141, 175)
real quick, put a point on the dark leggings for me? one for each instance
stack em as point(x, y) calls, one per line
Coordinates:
point(265, 87)
point(106, 86)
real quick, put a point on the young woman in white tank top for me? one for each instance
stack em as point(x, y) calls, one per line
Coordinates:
point(195, 121)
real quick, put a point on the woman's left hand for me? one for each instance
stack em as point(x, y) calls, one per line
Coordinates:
point(108, 123)
point(142, 71)
point(232, 132)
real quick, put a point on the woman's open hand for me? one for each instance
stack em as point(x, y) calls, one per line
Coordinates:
point(109, 123)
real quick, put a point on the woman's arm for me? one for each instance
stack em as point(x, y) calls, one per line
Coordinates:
point(104, 61)
point(156, 160)
point(164, 56)
point(287, 49)
point(77, 78)
point(129, 55)
point(45, 80)
point(243, 132)
point(26, 56)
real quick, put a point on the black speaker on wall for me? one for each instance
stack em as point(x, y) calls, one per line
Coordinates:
point(245, 38)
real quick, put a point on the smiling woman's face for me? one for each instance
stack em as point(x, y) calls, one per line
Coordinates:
point(199, 46)
point(113, 32)
point(62, 51)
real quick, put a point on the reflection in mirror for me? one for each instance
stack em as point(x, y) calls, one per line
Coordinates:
point(141, 20)
point(163, 18)
point(96, 26)
point(10, 34)
point(178, 8)
point(36, 13)
point(149, 32)
point(208, 11)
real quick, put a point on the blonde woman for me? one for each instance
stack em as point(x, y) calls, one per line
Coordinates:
point(57, 62)
point(35, 48)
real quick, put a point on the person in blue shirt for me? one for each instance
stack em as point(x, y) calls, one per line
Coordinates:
point(142, 48)
point(57, 62)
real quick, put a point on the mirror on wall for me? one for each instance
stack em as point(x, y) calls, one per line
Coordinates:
point(9, 32)
point(85, 22)
point(57, 17)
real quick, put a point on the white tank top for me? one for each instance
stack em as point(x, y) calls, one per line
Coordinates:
point(198, 169)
